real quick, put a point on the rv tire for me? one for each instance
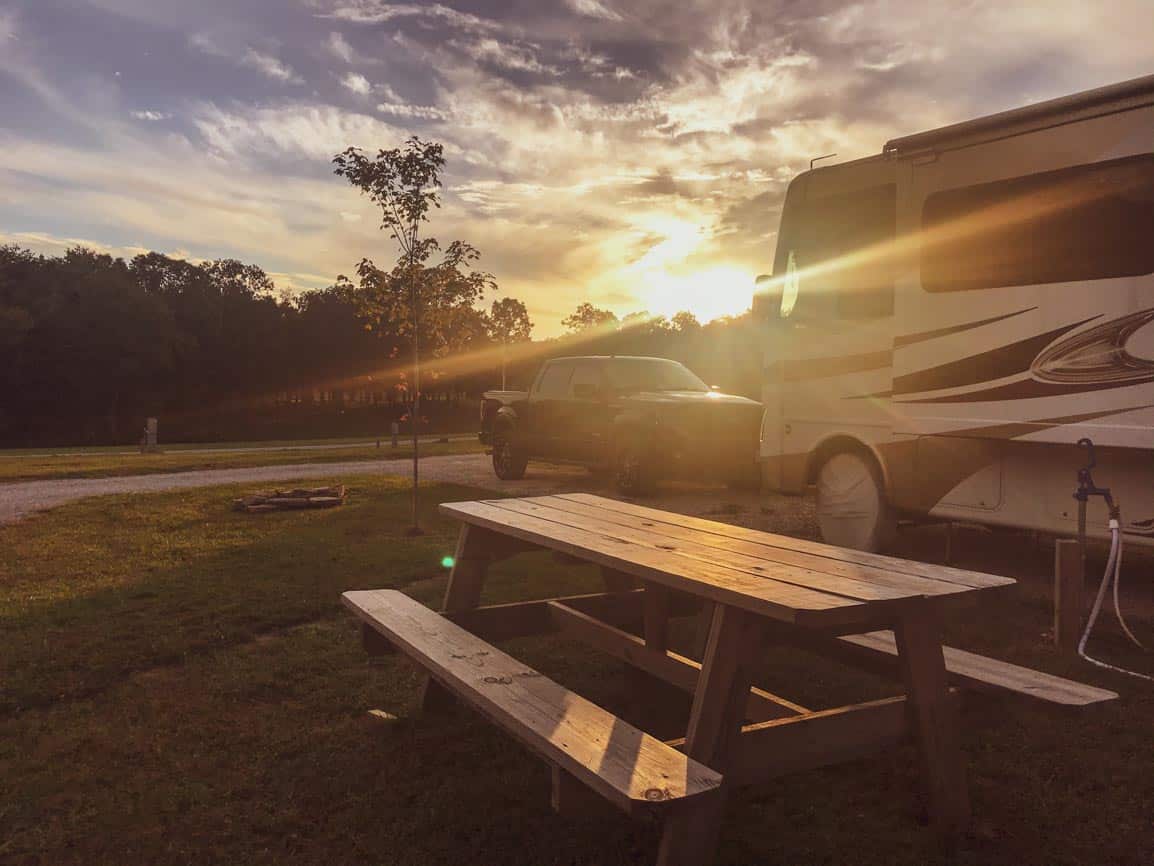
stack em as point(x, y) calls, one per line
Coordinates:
point(852, 510)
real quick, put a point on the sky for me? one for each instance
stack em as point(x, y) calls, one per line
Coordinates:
point(630, 153)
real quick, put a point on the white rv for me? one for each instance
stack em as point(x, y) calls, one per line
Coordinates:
point(950, 316)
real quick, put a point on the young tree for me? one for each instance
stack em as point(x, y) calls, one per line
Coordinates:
point(508, 322)
point(403, 183)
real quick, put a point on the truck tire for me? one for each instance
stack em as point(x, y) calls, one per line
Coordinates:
point(633, 470)
point(509, 458)
point(852, 510)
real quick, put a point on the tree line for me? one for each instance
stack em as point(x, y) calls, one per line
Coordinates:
point(92, 344)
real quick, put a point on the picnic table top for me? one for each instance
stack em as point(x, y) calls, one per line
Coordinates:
point(789, 579)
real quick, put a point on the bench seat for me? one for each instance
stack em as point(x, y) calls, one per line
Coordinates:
point(986, 674)
point(636, 772)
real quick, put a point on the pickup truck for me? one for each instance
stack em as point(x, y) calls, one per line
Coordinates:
point(642, 419)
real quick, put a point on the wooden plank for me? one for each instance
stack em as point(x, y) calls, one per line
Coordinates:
point(1069, 589)
point(933, 720)
point(757, 594)
point(972, 579)
point(759, 550)
point(638, 773)
point(770, 749)
point(862, 590)
point(986, 674)
point(714, 727)
point(677, 670)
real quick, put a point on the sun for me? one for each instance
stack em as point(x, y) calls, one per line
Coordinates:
point(709, 293)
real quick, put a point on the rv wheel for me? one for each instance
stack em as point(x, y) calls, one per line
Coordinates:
point(851, 503)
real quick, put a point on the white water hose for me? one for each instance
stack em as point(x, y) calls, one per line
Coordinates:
point(1111, 575)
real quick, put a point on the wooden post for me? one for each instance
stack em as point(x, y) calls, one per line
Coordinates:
point(933, 719)
point(1069, 586)
point(690, 836)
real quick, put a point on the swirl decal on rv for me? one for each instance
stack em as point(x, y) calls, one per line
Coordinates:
point(1096, 359)
point(1098, 355)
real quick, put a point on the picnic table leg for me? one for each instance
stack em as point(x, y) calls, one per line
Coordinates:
point(690, 835)
point(934, 721)
point(470, 562)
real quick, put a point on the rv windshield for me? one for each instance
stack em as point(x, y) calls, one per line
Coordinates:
point(652, 374)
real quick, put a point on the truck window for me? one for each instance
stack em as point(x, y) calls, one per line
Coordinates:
point(843, 256)
point(1089, 222)
point(651, 374)
point(553, 383)
point(587, 373)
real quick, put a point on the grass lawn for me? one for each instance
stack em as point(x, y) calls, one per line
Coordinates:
point(179, 685)
point(103, 464)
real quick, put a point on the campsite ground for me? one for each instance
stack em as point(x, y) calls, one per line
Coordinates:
point(182, 686)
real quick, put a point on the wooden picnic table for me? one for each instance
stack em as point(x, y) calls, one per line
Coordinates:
point(753, 589)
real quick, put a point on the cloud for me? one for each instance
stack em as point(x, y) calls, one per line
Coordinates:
point(149, 114)
point(593, 8)
point(8, 28)
point(309, 131)
point(379, 12)
point(357, 83)
point(340, 47)
point(269, 65)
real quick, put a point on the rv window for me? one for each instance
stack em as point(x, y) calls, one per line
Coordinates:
point(844, 254)
point(1090, 222)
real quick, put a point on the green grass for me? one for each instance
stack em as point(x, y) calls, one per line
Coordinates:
point(181, 686)
point(103, 464)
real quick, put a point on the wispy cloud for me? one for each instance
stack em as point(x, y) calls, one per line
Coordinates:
point(269, 65)
point(357, 83)
point(593, 8)
point(149, 114)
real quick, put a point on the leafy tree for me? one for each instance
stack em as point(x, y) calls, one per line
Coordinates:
point(508, 322)
point(685, 323)
point(587, 316)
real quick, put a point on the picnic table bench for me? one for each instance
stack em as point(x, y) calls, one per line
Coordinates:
point(754, 589)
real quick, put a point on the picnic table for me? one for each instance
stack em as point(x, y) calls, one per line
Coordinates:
point(753, 590)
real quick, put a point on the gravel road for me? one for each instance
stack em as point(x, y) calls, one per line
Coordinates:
point(758, 510)
point(26, 497)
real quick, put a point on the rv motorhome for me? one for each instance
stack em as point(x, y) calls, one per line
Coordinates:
point(950, 317)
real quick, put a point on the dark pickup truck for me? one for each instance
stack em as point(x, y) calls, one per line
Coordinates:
point(640, 418)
